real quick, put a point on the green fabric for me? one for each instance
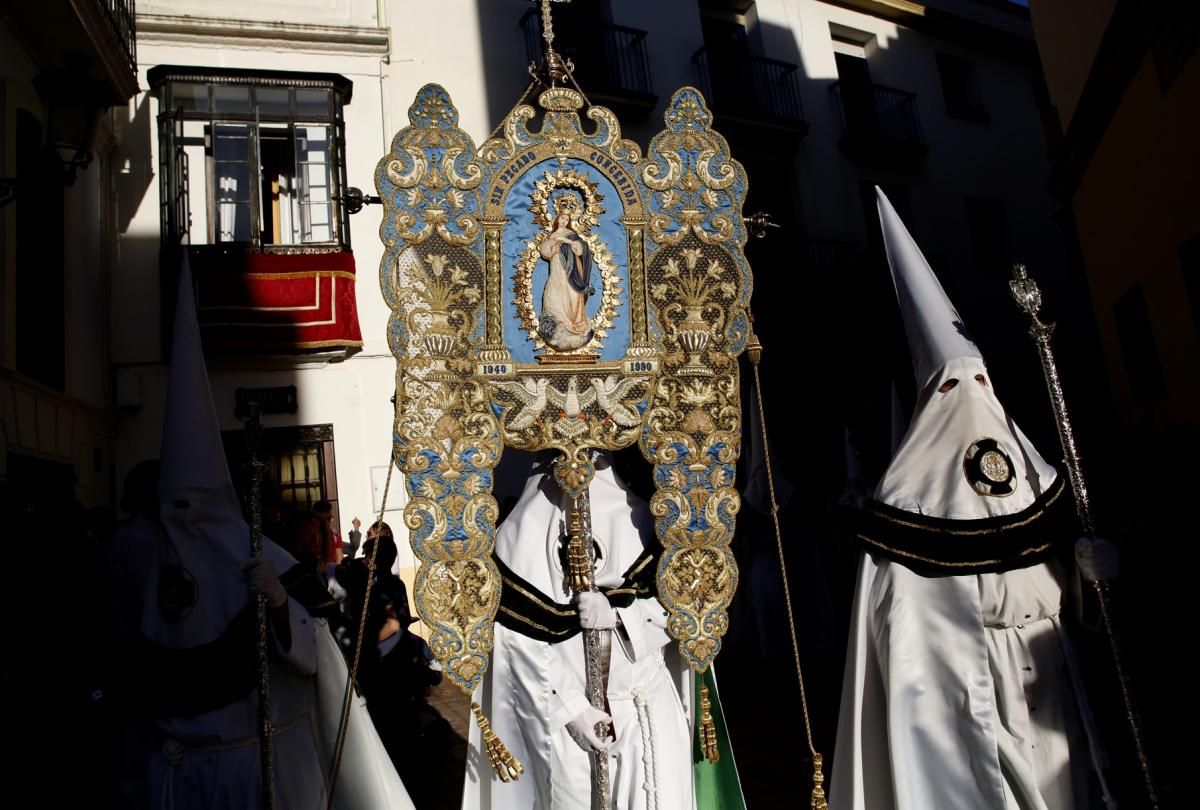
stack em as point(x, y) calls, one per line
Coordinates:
point(717, 785)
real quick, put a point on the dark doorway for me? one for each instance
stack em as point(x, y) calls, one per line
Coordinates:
point(40, 282)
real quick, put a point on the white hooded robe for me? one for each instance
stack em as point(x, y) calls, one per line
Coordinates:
point(534, 688)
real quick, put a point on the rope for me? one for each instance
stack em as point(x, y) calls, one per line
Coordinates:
point(818, 795)
point(571, 76)
point(649, 760)
point(533, 83)
point(344, 725)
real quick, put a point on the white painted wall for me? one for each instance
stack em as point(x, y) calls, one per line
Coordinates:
point(307, 12)
point(354, 395)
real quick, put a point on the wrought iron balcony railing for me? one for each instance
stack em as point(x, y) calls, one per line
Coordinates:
point(878, 121)
point(609, 59)
point(120, 16)
point(753, 88)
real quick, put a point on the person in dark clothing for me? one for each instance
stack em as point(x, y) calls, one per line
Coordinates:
point(397, 669)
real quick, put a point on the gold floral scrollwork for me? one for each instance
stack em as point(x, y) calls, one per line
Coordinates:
point(431, 174)
point(698, 285)
point(446, 437)
point(618, 147)
point(571, 412)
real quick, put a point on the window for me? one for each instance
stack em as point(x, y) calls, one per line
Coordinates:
point(959, 88)
point(986, 222)
point(253, 159)
point(299, 467)
point(1143, 370)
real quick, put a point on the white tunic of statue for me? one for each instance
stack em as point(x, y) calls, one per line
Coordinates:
point(534, 688)
point(960, 692)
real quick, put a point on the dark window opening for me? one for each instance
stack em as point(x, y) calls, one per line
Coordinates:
point(611, 61)
point(858, 102)
point(959, 88)
point(40, 282)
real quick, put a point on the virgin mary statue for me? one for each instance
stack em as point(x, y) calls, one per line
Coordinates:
point(563, 322)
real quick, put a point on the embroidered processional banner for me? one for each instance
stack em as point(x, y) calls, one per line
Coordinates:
point(557, 289)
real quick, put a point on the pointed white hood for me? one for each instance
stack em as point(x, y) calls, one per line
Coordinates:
point(192, 455)
point(529, 541)
point(936, 333)
point(199, 587)
point(962, 457)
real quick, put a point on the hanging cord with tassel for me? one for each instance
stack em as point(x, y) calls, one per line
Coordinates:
point(754, 351)
point(708, 728)
point(506, 765)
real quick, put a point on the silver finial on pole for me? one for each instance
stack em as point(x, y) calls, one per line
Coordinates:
point(557, 68)
point(1029, 298)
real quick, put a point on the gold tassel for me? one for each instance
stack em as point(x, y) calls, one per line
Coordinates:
point(503, 761)
point(708, 729)
point(818, 791)
point(579, 567)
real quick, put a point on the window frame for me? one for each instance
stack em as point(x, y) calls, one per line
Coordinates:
point(276, 443)
point(954, 70)
point(166, 81)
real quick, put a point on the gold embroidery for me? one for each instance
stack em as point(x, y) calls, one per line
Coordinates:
point(534, 624)
point(976, 532)
point(549, 606)
point(979, 564)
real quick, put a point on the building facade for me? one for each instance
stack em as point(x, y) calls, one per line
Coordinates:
point(63, 66)
point(1125, 84)
point(819, 100)
point(1124, 78)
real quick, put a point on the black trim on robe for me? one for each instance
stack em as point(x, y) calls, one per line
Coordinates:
point(934, 547)
point(526, 610)
point(195, 680)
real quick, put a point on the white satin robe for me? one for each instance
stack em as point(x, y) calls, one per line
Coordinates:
point(533, 688)
point(211, 761)
point(960, 693)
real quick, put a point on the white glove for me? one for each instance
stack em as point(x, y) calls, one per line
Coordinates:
point(595, 613)
point(583, 729)
point(1097, 559)
point(262, 577)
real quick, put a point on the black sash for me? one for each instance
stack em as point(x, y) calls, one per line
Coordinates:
point(185, 682)
point(939, 547)
point(526, 610)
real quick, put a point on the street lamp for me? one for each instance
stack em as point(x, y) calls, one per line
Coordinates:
point(73, 101)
